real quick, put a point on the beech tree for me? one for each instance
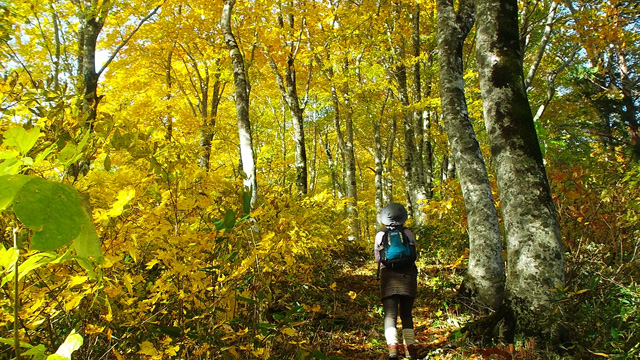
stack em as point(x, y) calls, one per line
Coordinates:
point(534, 245)
point(485, 277)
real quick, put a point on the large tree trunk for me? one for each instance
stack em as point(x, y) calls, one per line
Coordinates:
point(628, 115)
point(534, 245)
point(485, 277)
point(242, 103)
point(92, 16)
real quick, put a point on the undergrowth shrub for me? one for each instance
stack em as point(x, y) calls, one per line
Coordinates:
point(602, 242)
point(187, 272)
point(600, 305)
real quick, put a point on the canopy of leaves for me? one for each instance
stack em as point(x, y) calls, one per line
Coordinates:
point(189, 271)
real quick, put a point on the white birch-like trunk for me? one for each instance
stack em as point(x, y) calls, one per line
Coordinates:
point(242, 103)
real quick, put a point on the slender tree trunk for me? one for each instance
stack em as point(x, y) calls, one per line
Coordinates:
point(379, 163)
point(242, 103)
point(379, 158)
point(352, 189)
point(409, 135)
point(340, 137)
point(209, 99)
point(485, 277)
point(412, 162)
point(92, 25)
point(289, 92)
point(543, 43)
point(314, 158)
point(332, 166)
point(551, 85)
point(428, 155)
point(283, 144)
point(423, 192)
point(387, 195)
point(534, 245)
point(429, 118)
point(169, 79)
point(56, 36)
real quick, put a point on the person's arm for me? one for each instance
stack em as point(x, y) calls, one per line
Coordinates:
point(377, 244)
point(412, 238)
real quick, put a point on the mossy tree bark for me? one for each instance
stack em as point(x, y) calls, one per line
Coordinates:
point(534, 246)
point(485, 277)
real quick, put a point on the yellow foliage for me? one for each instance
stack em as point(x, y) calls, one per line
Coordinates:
point(147, 348)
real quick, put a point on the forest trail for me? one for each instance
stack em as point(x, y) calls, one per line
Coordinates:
point(359, 333)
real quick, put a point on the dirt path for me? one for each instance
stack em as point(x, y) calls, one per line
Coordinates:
point(358, 313)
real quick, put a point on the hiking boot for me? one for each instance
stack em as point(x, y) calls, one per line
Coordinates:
point(393, 352)
point(411, 351)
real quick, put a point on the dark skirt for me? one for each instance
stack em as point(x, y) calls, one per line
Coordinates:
point(399, 282)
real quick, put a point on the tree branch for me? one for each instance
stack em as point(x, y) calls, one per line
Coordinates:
point(126, 40)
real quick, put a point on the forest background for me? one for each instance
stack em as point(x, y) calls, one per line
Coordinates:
point(230, 229)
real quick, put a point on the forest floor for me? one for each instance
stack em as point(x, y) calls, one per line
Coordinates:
point(359, 334)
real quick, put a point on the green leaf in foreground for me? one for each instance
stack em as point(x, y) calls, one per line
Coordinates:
point(9, 187)
point(87, 244)
point(52, 210)
point(22, 139)
point(229, 219)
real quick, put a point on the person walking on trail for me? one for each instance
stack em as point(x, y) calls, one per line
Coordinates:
point(395, 253)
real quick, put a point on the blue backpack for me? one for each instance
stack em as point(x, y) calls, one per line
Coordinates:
point(397, 251)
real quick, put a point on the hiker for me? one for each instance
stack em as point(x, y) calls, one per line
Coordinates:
point(395, 253)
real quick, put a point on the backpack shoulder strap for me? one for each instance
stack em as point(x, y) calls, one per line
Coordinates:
point(403, 235)
point(385, 236)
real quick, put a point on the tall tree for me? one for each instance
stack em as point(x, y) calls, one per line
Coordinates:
point(352, 188)
point(485, 277)
point(287, 84)
point(413, 167)
point(242, 102)
point(379, 157)
point(420, 173)
point(92, 15)
point(534, 245)
point(207, 88)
